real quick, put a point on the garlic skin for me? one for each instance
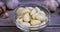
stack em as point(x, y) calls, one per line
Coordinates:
point(35, 22)
point(26, 17)
point(12, 4)
point(51, 5)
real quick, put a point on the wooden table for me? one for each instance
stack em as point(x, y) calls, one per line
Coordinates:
point(7, 25)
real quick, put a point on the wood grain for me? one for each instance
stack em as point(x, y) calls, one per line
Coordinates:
point(14, 29)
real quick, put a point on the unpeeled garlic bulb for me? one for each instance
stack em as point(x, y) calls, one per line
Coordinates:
point(51, 5)
point(12, 4)
point(35, 15)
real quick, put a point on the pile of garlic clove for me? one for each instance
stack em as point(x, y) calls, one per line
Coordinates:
point(29, 16)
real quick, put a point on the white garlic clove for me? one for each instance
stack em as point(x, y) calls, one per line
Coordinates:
point(26, 24)
point(33, 11)
point(26, 17)
point(30, 8)
point(20, 11)
point(40, 17)
point(39, 11)
point(27, 9)
point(35, 22)
point(20, 21)
point(35, 15)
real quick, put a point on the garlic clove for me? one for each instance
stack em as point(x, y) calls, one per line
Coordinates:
point(26, 17)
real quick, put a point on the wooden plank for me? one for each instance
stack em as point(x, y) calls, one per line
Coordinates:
point(9, 29)
point(55, 18)
point(52, 29)
point(14, 29)
point(9, 21)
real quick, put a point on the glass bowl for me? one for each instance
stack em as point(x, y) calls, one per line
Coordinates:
point(28, 29)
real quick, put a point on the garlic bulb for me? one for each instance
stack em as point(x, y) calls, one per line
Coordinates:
point(26, 17)
point(12, 4)
point(51, 5)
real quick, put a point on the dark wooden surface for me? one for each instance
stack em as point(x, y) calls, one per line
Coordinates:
point(15, 29)
point(7, 25)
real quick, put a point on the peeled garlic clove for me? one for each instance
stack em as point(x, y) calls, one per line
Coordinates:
point(20, 21)
point(33, 11)
point(43, 23)
point(27, 9)
point(42, 13)
point(20, 11)
point(35, 15)
point(35, 22)
point(30, 8)
point(26, 24)
point(40, 17)
point(39, 11)
point(26, 17)
point(46, 19)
